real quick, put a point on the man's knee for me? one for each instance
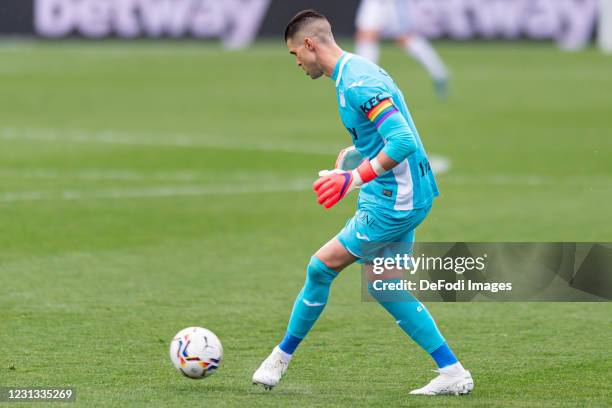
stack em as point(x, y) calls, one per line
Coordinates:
point(367, 35)
point(318, 272)
point(334, 255)
point(405, 40)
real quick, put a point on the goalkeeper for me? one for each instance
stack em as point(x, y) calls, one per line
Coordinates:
point(397, 191)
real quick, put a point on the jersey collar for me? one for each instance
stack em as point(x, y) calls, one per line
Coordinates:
point(337, 74)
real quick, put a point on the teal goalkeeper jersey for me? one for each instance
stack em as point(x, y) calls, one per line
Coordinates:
point(368, 99)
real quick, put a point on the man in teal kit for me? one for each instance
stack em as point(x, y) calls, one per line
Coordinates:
point(397, 191)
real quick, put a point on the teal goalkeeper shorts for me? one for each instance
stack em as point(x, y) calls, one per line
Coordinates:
point(370, 234)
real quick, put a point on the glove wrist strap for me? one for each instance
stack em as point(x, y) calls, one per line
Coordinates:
point(367, 171)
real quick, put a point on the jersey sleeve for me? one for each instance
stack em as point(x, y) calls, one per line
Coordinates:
point(376, 104)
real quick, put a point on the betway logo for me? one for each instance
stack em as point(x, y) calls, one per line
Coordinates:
point(235, 21)
point(570, 22)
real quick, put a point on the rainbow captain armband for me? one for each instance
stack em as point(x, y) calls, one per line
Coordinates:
point(381, 111)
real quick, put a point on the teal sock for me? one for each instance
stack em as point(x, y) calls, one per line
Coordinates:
point(410, 314)
point(312, 298)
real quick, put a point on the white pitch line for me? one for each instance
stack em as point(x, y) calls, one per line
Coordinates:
point(439, 164)
point(526, 180)
point(500, 179)
point(509, 180)
point(133, 175)
point(152, 192)
point(140, 139)
point(258, 188)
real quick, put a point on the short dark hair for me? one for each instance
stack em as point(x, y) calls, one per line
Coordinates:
point(300, 20)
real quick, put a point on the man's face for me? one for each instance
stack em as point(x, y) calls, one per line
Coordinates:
point(305, 56)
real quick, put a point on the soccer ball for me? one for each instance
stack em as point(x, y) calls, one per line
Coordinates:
point(196, 352)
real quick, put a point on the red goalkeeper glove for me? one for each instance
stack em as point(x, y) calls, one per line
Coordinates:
point(332, 186)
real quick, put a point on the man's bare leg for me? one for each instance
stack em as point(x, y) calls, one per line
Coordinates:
point(421, 50)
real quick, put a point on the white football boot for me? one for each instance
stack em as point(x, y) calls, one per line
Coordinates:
point(451, 381)
point(272, 369)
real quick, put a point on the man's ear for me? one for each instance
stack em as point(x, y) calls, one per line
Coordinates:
point(309, 43)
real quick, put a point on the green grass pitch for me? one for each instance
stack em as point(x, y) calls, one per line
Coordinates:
point(147, 187)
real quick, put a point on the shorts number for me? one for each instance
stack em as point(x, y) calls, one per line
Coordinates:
point(424, 167)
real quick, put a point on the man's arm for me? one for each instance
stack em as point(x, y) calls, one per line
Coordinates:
point(400, 143)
